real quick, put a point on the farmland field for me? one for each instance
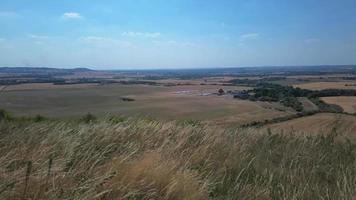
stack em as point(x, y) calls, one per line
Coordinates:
point(323, 123)
point(327, 85)
point(347, 103)
point(178, 102)
point(213, 134)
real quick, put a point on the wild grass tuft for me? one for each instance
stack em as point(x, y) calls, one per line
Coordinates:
point(119, 158)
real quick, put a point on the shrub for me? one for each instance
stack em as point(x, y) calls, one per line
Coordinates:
point(4, 115)
point(39, 118)
point(88, 118)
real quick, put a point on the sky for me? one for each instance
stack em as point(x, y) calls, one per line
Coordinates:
point(135, 34)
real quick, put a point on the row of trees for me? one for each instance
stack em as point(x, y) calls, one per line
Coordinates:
point(287, 95)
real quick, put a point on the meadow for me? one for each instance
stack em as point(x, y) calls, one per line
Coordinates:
point(323, 123)
point(120, 158)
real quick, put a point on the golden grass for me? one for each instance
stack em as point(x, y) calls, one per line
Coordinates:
point(145, 159)
point(319, 123)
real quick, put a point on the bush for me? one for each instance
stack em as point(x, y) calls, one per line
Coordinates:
point(88, 118)
point(4, 115)
point(117, 119)
point(39, 118)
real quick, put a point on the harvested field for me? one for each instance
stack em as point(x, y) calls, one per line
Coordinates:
point(327, 85)
point(178, 102)
point(347, 103)
point(44, 86)
point(320, 123)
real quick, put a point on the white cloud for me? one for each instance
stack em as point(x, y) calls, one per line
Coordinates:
point(141, 34)
point(94, 39)
point(38, 37)
point(72, 15)
point(103, 41)
point(174, 43)
point(249, 36)
point(312, 40)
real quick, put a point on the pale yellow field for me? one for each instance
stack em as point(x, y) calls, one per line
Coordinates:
point(169, 103)
point(320, 123)
point(347, 103)
point(327, 85)
point(44, 86)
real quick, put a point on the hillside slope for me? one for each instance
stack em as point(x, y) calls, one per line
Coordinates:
point(143, 159)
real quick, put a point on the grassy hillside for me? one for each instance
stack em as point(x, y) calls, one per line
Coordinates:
point(116, 158)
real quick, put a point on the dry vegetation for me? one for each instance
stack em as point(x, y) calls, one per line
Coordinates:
point(323, 123)
point(116, 158)
point(178, 102)
point(347, 103)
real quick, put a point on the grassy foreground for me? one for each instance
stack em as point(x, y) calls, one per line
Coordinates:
point(143, 159)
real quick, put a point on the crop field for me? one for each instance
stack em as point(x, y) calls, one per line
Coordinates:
point(323, 123)
point(347, 103)
point(327, 85)
point(193, 102)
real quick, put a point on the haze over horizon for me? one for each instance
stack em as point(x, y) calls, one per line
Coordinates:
point(180, 34)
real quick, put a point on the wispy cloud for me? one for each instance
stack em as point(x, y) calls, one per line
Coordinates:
point(38, 37)
point(72, 15)
point(249, 36)
point(142, 34)
point(95, 39)
point(8, 14)
point(103, 41)
point(2, 39)
point(173, 43)
point(312, 40)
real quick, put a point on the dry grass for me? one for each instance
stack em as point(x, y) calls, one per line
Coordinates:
point(307, 104)
point(347, 103)
point(144, 159)
point(323, 123)
point(154, 101)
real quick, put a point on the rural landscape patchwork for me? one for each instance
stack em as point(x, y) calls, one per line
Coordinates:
point(178, 100)
point(257, 133)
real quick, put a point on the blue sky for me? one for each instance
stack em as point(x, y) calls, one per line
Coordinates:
point(117, 34)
